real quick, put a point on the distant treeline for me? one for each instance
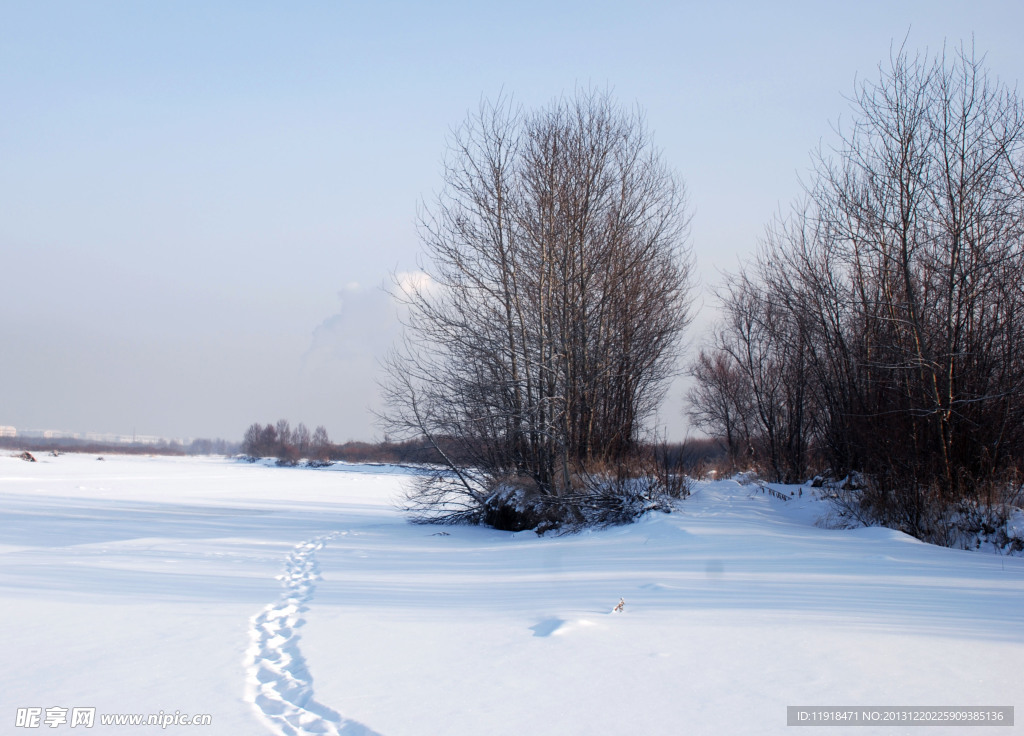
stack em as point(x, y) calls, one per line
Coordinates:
point(70, 444)
point(290, 445)
point(299, 443)
point(693, 454)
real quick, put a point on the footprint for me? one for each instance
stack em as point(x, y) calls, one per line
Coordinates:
point(278, 682)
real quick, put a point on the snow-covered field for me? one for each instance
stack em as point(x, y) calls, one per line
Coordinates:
point(299, 601)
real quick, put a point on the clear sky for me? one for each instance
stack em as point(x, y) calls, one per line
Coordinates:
point(200, 201)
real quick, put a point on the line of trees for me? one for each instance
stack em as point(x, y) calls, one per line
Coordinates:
point(549, 320)
point(286, 444)
point(880, 328)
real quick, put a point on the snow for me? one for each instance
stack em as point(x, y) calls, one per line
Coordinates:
point(300, 601)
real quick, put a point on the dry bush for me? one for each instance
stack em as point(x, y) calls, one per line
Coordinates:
point(926, 512)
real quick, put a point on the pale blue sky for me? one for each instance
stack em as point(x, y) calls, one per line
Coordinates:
point(199, 201)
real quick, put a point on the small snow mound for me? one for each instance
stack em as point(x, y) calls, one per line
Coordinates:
point(659, 587)
point(882, 533)
point(547, 627)
point(555, 626)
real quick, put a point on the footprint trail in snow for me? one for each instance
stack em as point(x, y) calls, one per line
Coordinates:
point(278, 683)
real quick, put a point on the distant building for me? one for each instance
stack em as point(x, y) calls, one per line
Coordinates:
point(8, 432)
point(47, 434)
point(147, 439)
point(123, 439)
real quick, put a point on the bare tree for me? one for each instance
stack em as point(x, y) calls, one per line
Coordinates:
point(268, 444)
point(763, 344)
point(251, 441)
point(285, 446)
point(301, 439)
point(320, 444)
point(557, 291)
point(898, 290)
point(720, 403)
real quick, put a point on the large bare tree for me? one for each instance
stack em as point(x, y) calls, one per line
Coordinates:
point(555, 291)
